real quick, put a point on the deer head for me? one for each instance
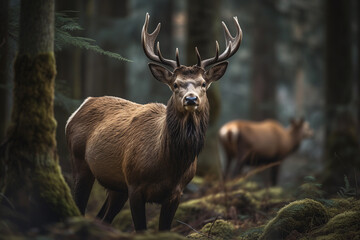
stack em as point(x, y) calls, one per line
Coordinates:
point(301, 129)
point(189, 83)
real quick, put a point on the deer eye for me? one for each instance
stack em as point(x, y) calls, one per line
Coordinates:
point(175, 85)
point(204, 84)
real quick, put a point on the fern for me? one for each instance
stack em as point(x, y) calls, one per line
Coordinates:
point(347, 190)
point(64, 27)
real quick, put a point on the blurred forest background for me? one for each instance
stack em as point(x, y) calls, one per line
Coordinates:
point(298, 58)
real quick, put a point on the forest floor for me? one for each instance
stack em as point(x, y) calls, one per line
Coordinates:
point(238, 209)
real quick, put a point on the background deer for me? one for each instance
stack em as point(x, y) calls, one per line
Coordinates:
point(260, 143)
point(146, 153)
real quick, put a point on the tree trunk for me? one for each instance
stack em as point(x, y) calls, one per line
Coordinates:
point(93, 70)
point(162, 13)
point(33, 181)
point(263, 96)
point(115, 70)
point(358, 68)
point(4, 5)
point(202, 31)
point(341, 143)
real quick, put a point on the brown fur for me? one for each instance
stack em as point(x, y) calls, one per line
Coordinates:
point(145, 152)
point(257, 143)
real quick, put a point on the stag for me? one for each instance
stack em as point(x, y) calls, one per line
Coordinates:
point(146, 153)
point(260, 143)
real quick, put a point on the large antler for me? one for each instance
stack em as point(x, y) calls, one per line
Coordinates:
point(148, 43)
point(232, 45)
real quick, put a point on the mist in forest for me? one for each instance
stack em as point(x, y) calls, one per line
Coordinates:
point(278, 73)
point(298, 59)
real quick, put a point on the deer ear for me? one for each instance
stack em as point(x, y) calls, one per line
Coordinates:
point(160, 73)
point(216, 72)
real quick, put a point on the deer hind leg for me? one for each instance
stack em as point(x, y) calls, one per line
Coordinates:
point(83, 182)
point(114, 202)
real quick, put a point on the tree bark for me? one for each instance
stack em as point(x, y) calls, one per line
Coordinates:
point(115, 70)
point(358, 68)
point(162, 13)
point(341, 143)
point(4, 5)
point(263, 96)
point(33, 181)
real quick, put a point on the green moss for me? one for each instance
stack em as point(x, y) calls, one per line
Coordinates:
point(219, 229)
point(272, 195)
point(302, 216)
point(190, 211)
point(345, 225)
point(159, 236)
point(355, 206)
point(197, 180)
point(339, 205)
point(34, 182)
point(84, 228)
point(214, 205)
point(123, 221)
point(251, 234)
point(242, 183)
point(337, 236)
point(32, 122)
point(53, 194)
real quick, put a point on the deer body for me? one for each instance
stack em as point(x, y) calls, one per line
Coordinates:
point(258, 143)
point(115, 150)
point(145, 153)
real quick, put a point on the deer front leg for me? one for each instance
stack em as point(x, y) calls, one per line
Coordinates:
point(274, 172)
point(228, 161)
point(167, 213)
point(113, 204)
point(137, 207)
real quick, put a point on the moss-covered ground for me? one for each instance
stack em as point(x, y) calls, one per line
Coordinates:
point(242, 210)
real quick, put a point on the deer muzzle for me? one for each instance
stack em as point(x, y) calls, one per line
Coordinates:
point(191, 102)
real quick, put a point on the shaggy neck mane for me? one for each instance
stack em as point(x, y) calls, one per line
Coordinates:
point(185, 134)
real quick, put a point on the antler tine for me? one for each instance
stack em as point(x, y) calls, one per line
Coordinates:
point(232, 45)
point(217, 51)
point(177, 57)
point(198, 57)
point(148, 43)
point(148, 40)
point(228, 50)
point(227, 34)
point(235, 41)
point(159, 52)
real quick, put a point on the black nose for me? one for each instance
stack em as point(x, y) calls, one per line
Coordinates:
point(191, 100)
